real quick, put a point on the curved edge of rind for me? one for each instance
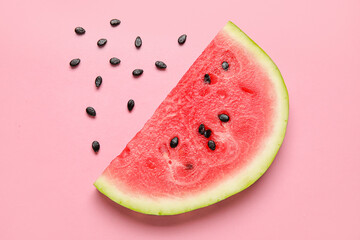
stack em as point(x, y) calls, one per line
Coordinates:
point(173, 207)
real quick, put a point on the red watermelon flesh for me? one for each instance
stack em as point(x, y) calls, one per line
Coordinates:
point(151, 177)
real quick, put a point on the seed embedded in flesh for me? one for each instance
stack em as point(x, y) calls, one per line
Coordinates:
point(75, 62)
point(130, 105)
point(207, 78)
point(225, 66)
point(138, 42)
point(115, 22)
point(95, 146)
point(224, 117)
point(91, 111)
point(182, 39)
point(114, 61)
point(174, 142)
point(160, 65)
point(202, 129)
point(211, 145)
point(79, 31)
point(137, 72)
point(101, 42)
point(189, 166)
point(98, 81)
point(207, 133)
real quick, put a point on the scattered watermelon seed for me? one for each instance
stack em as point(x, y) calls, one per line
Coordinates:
point(211, 145)
point(207, 133)
point(114, 61)
point(91, 111)
point(75, 62)
point(160, 65)
point(101, 42)
point(225, 66)
point(207, 78)
point(224, 117)
point(98, 81)
point(174, 142)
point(182, 39)
point(95, 146)
point(138, 42)
point(115, 22)
point(137, 72)
point(189, 166)
point(79, 31)
point(130, 105)
point(202, 129)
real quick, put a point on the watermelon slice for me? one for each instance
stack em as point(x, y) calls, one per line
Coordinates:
point(154, 175)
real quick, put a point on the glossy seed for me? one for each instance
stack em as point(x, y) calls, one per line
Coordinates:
point(224, 117)
point(207, 133)
point(95, 146)
point(130, 105)
point(207, 78)
point(101, 42)
point(160, 65)
point(79, 31)
point(182, 39)
point(202, 129)
point(91, 111)
point(211, 145)
point(115, 22)
point(75, 62)
point(189, 166)
point(137, 72)
point(174, 142)
point(225, 66)
point(98, 81)
point(138, 42)
point(114, 61)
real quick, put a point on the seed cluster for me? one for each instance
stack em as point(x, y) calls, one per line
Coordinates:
point(174, 142)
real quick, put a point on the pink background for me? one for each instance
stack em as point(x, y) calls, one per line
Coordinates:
point(312, 190)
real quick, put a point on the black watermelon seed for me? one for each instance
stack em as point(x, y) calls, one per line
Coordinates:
point(115, 61)
point(174, 142)
point(202, 129)
point(211, 145)
point(137, 72)
point(207, 78)
point(115, 22)
point(80, 30)
point(225, 66)
point(91, 111)
point(75, 62)
point(95, 146)
point(130, 105)
point(138, 42)
point(224, 117)
point(189, 166)
point(101, 42)
point(98, 81)
point(160, 65)
point(207, 133)
point(182, 39)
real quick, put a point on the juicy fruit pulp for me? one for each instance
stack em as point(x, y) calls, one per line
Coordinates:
point(214, 157)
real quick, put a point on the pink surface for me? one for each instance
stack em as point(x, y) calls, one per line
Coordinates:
point(312, 190)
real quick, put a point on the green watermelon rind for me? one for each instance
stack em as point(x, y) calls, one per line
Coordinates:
point(246, 177)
